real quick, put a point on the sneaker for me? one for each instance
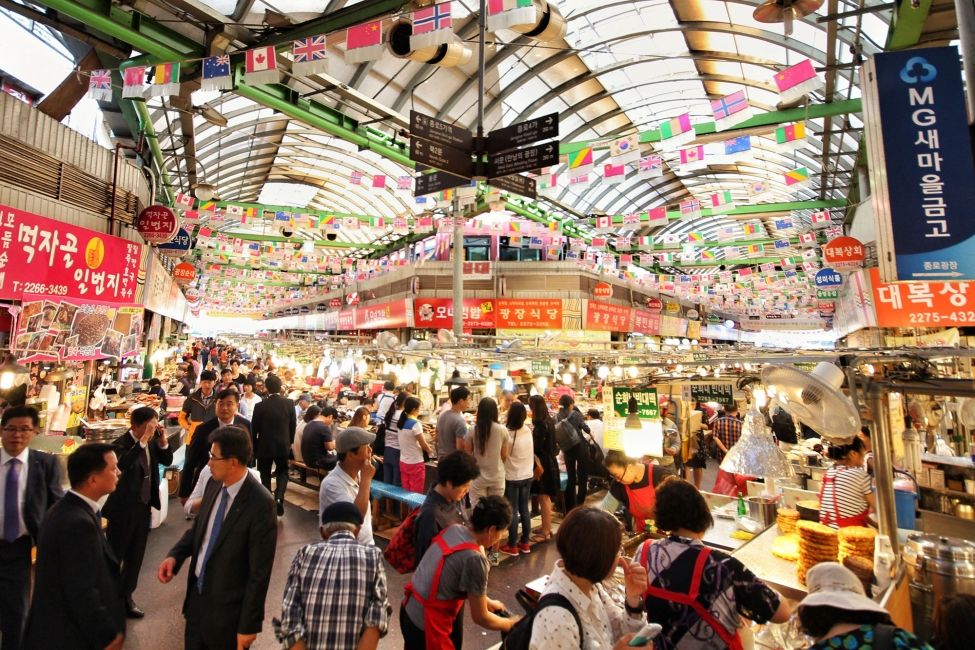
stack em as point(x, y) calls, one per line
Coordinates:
point(494, 558)
point(281, 508)
point(525, 548)
point(509, 550)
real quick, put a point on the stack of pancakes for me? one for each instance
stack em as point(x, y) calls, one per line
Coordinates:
point(785, 519)
point(786, 547)
point(856, 541)
point(817, 543)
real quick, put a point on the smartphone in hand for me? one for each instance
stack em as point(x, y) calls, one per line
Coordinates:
point(646, 634)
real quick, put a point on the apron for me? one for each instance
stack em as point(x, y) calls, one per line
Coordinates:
point(831, 518)
point(642, 501)
point(733, 641)
point(439, 615)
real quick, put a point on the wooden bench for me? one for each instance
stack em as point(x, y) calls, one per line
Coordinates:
point(305, 470)
point(407, 500)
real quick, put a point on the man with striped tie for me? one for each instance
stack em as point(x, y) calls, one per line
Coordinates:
point(232, 544)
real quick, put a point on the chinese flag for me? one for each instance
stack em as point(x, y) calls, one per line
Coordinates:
point(364, 35)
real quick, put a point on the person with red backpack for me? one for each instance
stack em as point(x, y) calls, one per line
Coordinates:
point(454, 570)
point(698, 614)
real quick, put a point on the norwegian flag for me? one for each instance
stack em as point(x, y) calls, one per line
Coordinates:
point(309, 56)
point(432, 26)
point(690, 209)
point(730, 110)
point(100, 85)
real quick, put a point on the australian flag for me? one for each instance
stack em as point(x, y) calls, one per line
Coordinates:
point(737, 145)
point(216, 73)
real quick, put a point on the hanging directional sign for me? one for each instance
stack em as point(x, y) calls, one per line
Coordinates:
point(437, 181)
point(518, 184)
point(440, 132)
point(442, 157)
point(522, 133)
point(523, 160)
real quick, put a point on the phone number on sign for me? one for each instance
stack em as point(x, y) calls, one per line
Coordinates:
point(41, 288)
point(953, 317)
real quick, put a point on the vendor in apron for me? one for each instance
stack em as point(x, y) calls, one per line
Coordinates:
point(634, 485)
point(455, 569)
point(696, 594)
point(845, 496)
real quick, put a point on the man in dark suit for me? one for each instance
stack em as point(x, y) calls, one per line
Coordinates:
point(196, 452)
point(140, 452)
point(78, 600)
point(30, 483)
point(232, 544)
point(273, 427)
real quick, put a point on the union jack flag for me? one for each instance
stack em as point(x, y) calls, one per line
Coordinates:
point(306, 50)
point(100, 85)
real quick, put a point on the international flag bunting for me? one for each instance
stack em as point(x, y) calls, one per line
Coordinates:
point(555, 225)
point(820, 219)
point(755, 249)
point(728, 233)
point(721, 201)
point(183, 201)
point(404, 183)
point(377, 222)
point(758, 188)
point(797, 80)
point(431, 26)
point(133, 81)
point(749, 229)
point(650, 167)
point(670, 239)
point(739, 145)
point(810, 267)
point(379, 182)
point(309, 56)
point(100, 85)
point(355, 178)
point(580, 162)
point(235, 210)
point(798, 176)
point(582, 179)
point(350, 223)
point(676, 131)
point(614, 174)
point(631, 219)
point(604, 222)
point(692, 158)
point(598, 243)
point(625, 149)
point(695, 237)
point(216, 73)
point(547, 182)
point(165, 80)
point(207, 206)
point(781, 244)
point(261, 66)
point(810, 254)
point(364, 42)
point(644, 241)
point(623, 243)
point(284, 218)
point(807, 239)
point(785, 223)
point(731, 110)
point(250, 212)
point(657, 216)
point(790, 137)
point(502, 14)
point(690, 209)
point(708, 256)
point(832, 232)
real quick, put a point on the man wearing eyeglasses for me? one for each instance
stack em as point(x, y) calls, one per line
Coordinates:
point(232, 544)
point(30, 483)
point(140, 453)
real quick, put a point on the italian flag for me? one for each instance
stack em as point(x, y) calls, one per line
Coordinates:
point(502, 14)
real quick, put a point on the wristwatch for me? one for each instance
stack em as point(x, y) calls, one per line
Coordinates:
point(633, 610)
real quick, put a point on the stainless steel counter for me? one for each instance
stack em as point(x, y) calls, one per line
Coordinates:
point(777, 573)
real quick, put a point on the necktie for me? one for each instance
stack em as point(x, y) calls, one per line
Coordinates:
point(11, 505)
point(146, 481)
point(214, 534)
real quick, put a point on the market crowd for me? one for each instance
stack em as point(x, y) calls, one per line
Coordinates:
point(241, 432)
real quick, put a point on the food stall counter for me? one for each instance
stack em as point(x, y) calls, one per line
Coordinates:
point(777, 573)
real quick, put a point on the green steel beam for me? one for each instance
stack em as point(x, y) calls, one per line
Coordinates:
point(334, 21)
point(752, 210)
point(244, 267)
point(764, 119)
point(907, 23)
point(752, 261)
point(146, 129)
point(319, 243)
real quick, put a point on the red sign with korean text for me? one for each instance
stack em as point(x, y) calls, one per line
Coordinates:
point(157, 224)
point(346, 320)
point(184, 273)
point(49, 257)
point(844, 253)
point(923, 304)
point(604, 316)
point(654, 304)
point(437, 313)
point(387, 315)
point(529, 313)
point(477, 270)
point(645, 322)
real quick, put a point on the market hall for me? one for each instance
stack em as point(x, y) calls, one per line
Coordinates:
point(567, 324)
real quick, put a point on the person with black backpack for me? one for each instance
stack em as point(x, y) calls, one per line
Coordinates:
point(568, 427)
point(575, 609)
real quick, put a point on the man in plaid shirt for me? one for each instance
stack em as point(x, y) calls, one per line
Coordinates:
point(335, 597)
point(727, 429)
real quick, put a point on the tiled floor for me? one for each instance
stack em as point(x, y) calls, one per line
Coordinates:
point(162, 628)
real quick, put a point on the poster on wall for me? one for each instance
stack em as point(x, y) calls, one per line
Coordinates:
point(76, 330)
point(76, 397)
point(437, 313)
point(52, 258)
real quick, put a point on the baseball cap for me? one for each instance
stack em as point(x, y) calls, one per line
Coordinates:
point(830, 584)
point(304, 397)
point(352, 438)
point(342, 512)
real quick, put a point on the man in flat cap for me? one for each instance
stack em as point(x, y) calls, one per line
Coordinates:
point(352, 478)
point(335, 597)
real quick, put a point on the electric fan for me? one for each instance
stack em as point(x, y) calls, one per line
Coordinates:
point(815, 398)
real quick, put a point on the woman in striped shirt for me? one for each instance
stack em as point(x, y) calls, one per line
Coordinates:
point(845, 496)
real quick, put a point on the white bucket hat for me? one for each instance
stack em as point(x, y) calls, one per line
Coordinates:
point(831, 584)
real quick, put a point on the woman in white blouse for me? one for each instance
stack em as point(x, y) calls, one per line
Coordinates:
point(588, 542)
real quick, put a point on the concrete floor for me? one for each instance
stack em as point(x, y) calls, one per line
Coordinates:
point(162, 628)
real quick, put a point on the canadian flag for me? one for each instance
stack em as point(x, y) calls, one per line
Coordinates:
point(261, 66)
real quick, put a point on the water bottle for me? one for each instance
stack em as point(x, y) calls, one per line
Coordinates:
point(742, 510)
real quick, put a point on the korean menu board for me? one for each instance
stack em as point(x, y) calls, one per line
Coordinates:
point(75, 330)
point(52, 258)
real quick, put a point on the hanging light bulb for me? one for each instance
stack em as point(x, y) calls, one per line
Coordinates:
point(362, 365)
point(603, 372)
point(572, 368)
point(425, 376)
point(702, 371)
point(583, 372)
point(491, 387)
point(567, 378)
point(631, 371)
point(542, 383)
point(533, 391)
point(618, 372)
point(508, 384)
point(334, 370)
